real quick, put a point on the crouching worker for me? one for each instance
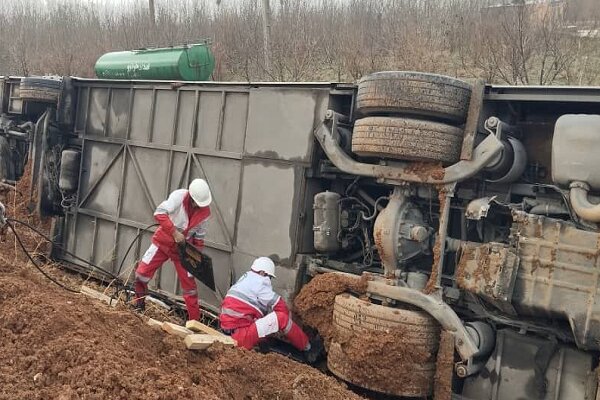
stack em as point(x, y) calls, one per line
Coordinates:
point(182, 218)
point(251, 311)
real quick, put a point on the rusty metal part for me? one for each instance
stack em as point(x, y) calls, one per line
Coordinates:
point(559, 274)
point(580, 203)
point(436, 307)
point(489, 271)
point(448, 193)
point(487, 151)
point(463, 370)
point(473, 115)
point(400, 233)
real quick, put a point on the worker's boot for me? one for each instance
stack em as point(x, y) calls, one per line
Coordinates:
point(139, 305)
point(314, 351)
point(139, 302)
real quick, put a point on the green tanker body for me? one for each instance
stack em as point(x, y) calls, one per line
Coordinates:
point(185, 63)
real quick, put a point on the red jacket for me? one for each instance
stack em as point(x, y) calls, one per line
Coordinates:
point(177, 212)
point(251, 298)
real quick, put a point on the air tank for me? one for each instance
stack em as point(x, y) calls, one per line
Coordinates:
point(326, 224)
point(185, 63)
point(69, 170)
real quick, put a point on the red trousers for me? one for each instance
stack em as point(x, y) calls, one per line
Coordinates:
point(153, 259)
point(247, 336)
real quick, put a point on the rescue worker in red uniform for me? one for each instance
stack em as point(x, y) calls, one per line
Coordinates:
point(251, 311)
point(182, 217)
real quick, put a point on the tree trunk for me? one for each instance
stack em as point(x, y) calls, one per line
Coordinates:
point(266, 13)
point(152, 13)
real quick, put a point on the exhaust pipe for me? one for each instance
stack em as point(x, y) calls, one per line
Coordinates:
point(581, 204)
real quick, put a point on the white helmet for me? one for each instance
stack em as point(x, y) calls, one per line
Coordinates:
point(200, 192)
point(264, 264)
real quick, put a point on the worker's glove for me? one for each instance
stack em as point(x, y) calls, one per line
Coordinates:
point(315, 348)
point(178, 237)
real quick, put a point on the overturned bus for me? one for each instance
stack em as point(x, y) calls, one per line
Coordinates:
point(472, 206)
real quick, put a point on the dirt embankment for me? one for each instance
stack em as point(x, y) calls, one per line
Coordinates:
point(59, 345)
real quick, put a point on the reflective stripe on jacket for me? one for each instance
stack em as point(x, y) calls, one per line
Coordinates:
point(251, 298)
point(177, 212)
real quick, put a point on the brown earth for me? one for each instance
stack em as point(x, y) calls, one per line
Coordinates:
point(59, 345)
point(314, 303)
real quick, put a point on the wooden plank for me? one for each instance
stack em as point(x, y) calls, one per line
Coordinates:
point(98, 296)
point(176, 330)
point(199, 327)
point(204, 341)
point(154, 323)
point(472, 123)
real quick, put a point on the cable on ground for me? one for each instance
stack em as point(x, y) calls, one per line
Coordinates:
point(35, 264)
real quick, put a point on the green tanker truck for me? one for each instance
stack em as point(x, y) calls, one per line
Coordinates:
point(194, 62)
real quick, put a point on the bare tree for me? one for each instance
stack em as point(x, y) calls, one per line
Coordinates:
point(152, 12)
point(314, 39)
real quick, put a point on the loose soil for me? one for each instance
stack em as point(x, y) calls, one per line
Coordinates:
point(314, 303)
point(382, 361)
point(60, 345)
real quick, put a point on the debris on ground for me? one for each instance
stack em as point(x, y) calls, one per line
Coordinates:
point(66, 346)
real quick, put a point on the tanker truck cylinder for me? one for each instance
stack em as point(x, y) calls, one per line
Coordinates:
point(69, 170)
point(326, 226)
point(193, 62)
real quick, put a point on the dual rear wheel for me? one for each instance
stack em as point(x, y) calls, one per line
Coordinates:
point(410, 116)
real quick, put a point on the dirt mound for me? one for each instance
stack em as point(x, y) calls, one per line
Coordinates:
point(58, 345)
point(314, 303)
